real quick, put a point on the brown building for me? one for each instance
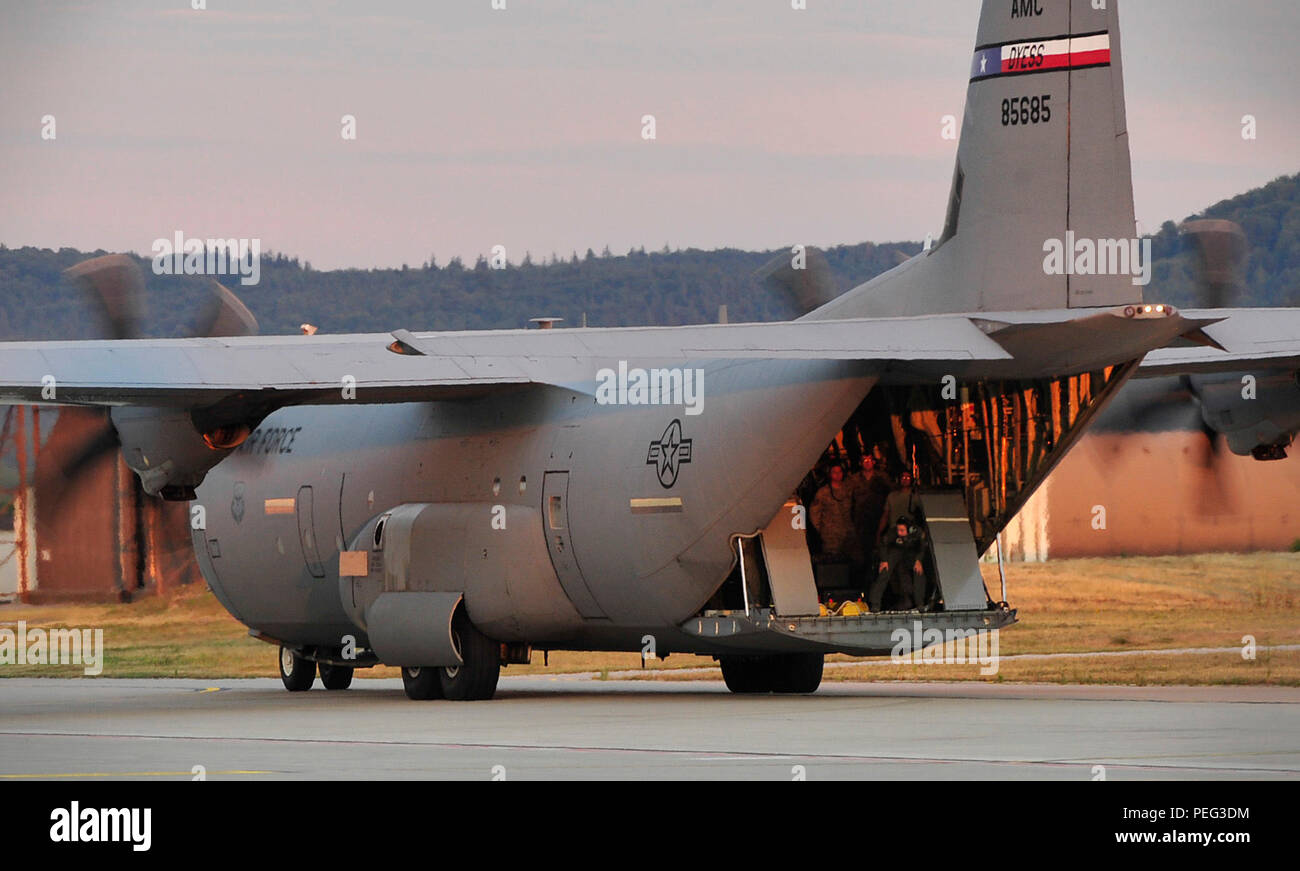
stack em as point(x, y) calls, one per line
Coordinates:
point(96, 535)
point(1157, 493)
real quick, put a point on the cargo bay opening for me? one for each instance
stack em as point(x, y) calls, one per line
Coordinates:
point(830, 555)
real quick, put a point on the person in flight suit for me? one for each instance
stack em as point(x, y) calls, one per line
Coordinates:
point(871, 489)
point(903, 502)
point(831, 514)
point(900, 567)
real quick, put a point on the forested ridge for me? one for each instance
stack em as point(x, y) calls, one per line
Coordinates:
point(657, 288)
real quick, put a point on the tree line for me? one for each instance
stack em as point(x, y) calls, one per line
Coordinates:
point(663, 288)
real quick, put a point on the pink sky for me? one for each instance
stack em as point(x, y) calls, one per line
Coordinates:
point(522, 127)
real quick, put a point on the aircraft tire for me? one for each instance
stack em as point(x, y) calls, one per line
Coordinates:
point(335, 677)
point(297, 673)
point(422, 684)
point(797, 673)
point(746, 674)
point(475, 679)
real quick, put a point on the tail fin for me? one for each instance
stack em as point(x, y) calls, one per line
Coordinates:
point(1043, 157)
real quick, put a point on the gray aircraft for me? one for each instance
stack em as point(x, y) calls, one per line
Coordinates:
point(449, 502)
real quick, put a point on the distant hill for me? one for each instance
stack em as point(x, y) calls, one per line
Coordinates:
point(1270, 216)
point(659, 288)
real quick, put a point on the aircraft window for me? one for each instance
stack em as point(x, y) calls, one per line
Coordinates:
point(379, 532)
point(555, 512)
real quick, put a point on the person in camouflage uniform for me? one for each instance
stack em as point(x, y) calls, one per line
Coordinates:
point(831, 514)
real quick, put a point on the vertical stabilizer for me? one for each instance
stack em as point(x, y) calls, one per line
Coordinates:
point(1042, 168)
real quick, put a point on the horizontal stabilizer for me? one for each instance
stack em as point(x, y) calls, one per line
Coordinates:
point(1243, 338)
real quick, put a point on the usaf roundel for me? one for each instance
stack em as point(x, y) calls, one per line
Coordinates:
point(668, 453)
point(237, 503)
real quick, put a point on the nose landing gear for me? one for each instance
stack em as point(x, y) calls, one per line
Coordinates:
point(297, 673)
point(335, 677)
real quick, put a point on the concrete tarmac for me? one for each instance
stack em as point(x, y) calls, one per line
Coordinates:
point(575, 727)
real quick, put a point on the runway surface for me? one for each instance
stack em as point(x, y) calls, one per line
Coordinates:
point(558, 727)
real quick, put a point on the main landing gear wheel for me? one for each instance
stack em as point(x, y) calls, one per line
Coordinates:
point(784, 673)
point(422, 684)
point(335, 677)
point(745, 674)
point(476, 677)
point(797, 673)
point(297, 673)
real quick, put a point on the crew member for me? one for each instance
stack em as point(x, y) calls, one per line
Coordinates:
point(831, 514)
point(900, 568)
point(871, 488)
point(903, 502)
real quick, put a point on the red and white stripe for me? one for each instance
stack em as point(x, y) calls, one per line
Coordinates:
point(1053, 54)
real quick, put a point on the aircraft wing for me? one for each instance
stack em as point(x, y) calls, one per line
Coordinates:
point(267, 372)
point(178, 406)
point(1241, 339)
point(404, 366)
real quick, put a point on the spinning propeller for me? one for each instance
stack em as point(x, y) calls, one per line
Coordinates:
point(115, 282)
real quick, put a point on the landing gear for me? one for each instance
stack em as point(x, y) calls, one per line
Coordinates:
point(798, 673)
point(783, 673)
point(476, 678)
point(745, 674)
point(422, 684)
point(335, 677)
point(297, 673)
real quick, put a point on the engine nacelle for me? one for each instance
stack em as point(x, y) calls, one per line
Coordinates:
point(1257, 413)
point(169, 450)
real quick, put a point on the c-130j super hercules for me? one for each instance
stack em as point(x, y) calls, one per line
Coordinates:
point(451, 501)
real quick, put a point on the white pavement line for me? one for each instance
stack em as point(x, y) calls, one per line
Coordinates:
point(1171, 651)
point(885, 663)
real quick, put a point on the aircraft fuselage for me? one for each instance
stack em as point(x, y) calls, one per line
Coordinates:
point(649, 499)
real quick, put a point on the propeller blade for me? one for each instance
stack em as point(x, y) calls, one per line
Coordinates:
point(225, 314)
point(1214, 494)
point(809, 287)
point(1221, 248)
point(115, 281)
point(99, 439)
point(66, 461)
point(1157, 405)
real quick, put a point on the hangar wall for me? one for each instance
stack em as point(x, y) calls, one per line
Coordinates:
point(1157, 493)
